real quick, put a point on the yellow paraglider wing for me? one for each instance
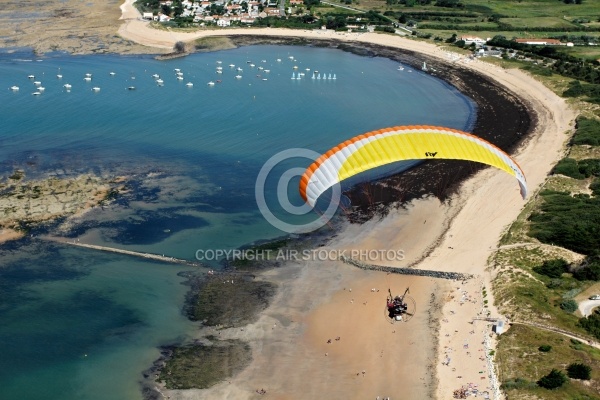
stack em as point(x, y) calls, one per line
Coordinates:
point(399, 143)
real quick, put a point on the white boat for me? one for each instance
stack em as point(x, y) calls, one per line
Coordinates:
point(176, 70)
point(264, 79)
point(329, 77)
point(131, 88)
point(219, 62)
point(37, 83)
point(219, 68)
point(300, 73)
point(313, 77)
point(160, 81)
point(291, 57)
point(260, 68)
point(319, 76)
point(59, 76)
point(263, 61)
point(41, 88)
point(334, 77)
point(239, 69)
point(279, 60)
point(67, 86)
point(31, 76)
point(401, 68)
point(14, 88)
point(238, 77)
point(211, 83)
point(36, 93)
point(231, 65)
point(267, 71)
point(219, 71)
point(307, 69)
point(87, 79)
point(190, 84)
point(112, 73)
point(88, 75)
point(96, 89)
point(180, 78)
point(156, 76)
point(252, 65)
point(293, 75)
point(295, 67)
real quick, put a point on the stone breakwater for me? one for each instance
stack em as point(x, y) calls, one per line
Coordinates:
point(407, 271)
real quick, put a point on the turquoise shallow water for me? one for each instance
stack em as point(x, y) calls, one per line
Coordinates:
point(79, 324)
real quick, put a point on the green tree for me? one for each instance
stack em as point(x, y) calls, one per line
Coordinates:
point(553, 380)
point(545, 348)
point(569, 305)
point(552, 268)
point(579, 371)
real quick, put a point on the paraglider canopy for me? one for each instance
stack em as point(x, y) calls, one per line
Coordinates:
point(399, 143)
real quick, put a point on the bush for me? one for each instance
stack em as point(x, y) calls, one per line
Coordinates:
point(588, 132)
point(591, 324)
point(579, 371)
point(568, 167)
point(590, 270)
point(545, 348)
point(553, 380)
point(569, 305)
point(552, 268)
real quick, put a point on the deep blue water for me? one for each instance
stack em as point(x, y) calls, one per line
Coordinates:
point(79, 324)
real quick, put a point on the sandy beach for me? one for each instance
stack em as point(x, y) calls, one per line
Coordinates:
point(438, 351)
point(293, 359)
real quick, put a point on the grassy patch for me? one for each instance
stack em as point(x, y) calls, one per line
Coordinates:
point(214, 43)
point(520, 361)
point(200, 367)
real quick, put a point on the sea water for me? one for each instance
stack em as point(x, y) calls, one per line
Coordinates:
point(77, 323)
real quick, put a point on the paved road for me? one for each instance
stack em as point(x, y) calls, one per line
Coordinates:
point(586, 306)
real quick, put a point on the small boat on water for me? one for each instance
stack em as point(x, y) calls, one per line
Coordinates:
point(14, 88)
point(319, 76)
point(36, 93)
point(189, 84)
point(267, 71)
point(87, 79)
point(37, 83)
point(307, 69)
point(59, 76)
point(219, 62)
point(112, 73)
point(219, 68)
point(264, 79)
point(176, 70)
point(238, 77)
point(156, 76)
point(231, 65)
point(88, 75)
point(211, 83)
point(67, 86)
point(293, 75)
point(329, 77)
point(160, 81)
point(239, 69)
point(252, 65)
point(313, 77)
point(131, 88)
point(219, 71)
point(401, 68)
point(31, 76)
point(263, 61)
point(41, 89)
point(261, 68)
point(96, 89)
point(279, 60)
point(291, 57)
point(295, 67)
point(180, 78)
point(218, 81)
point(334, 77)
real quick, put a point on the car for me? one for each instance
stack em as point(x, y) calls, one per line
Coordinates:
point(595, 297)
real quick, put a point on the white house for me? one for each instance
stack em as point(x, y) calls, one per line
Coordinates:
point(148, 15)
point(473, 39)
point(223, 22)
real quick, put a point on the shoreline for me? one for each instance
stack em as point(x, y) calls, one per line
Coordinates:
point(466, 244)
